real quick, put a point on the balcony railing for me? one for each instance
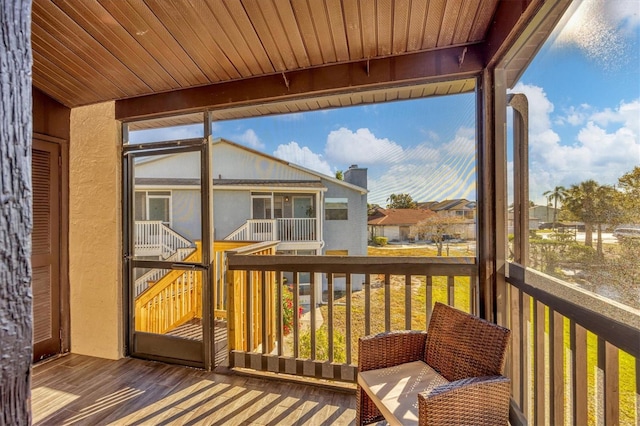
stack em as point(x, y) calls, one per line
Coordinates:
point(575, 356)
point(283, 229)
point(267, 333)
point(154, 238)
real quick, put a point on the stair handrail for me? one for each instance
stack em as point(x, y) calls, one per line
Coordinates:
point(255, 230)
point(239, 234)
point(177, 240)
point(156, 274)
point(155, 292)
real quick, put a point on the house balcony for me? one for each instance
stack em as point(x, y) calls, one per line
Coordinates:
point(573, 359)
point(282, 229)
point(155, 238)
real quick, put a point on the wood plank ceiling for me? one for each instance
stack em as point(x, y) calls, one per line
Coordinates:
point(88, 51)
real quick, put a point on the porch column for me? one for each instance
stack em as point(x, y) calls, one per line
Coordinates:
point(95, 230)
point(319, 216)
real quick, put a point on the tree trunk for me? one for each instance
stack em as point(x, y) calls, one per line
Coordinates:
point(599, 250)
point(588, 234)
point(15, 215)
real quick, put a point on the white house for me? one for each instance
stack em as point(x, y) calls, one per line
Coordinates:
point(256, 197)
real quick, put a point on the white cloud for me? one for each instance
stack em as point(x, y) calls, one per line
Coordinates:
point(463, 144)
point(425, 182)
point(606, 145)
point(304, 157)
point(423, 152)
point(625, 114)
point(360, 147)
point(540, 108)
point(574, 116)
point(599, 28)
point(251, 139)
point(429, 173)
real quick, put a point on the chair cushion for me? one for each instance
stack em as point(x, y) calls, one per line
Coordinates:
point(394, 390)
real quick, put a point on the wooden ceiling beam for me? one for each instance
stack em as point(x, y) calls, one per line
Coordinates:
point(509, 21)
point(432, 66)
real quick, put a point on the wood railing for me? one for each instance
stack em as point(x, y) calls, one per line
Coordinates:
point(154, 238)
point(172, 301)
point(574, 356)
point(221, 250)
point(379, 294)
point(150, 277)
point(176, 297)
point(283, 229)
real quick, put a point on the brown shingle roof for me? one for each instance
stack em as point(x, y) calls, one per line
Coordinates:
point(396, 217)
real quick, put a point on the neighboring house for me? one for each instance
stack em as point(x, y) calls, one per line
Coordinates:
point(256, 197)
point(543, 213)
point(538, 216)
point(461, 208)
point(458, 207)
point(534, 223)
point(395, 224)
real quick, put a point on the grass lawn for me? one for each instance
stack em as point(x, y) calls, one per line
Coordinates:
point(457, 249)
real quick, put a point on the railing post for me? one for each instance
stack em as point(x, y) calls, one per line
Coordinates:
point(231, 312)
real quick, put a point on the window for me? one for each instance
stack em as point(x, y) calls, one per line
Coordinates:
point(153, 205)
point(261, 207)
point(336, 209)
point(159, 206)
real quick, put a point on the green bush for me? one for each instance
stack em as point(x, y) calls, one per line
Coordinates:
point(287, 310)
point(322, 345)
point(380, 241)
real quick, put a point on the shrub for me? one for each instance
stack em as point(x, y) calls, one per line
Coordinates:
point(322, 345)
point(287, 310)
point(380, 241)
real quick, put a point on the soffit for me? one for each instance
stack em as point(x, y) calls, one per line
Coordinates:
point(92, 51)
point(320, 102)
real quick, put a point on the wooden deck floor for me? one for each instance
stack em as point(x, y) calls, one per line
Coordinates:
point(81, 390)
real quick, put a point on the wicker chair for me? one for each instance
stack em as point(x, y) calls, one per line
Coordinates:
point(468, 352)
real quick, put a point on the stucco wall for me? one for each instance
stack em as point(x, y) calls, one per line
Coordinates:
point(186, 213)
point(231, 209)
point(95, 232)
point(349, 234)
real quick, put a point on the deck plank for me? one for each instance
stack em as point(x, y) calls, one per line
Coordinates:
point(82, 390)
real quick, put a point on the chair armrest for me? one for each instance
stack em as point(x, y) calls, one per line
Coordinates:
point(391, 348)
point(474, 400)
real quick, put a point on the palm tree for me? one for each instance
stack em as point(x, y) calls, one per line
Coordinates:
point(579, 203)
point(558, 193)
point(595, 205)
point(629, 195)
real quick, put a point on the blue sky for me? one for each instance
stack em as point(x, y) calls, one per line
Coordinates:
point(584, 97)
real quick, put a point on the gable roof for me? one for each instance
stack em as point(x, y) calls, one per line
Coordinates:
point(455, 204)
point(313, 175)
point(398, 217)
point(292, 165)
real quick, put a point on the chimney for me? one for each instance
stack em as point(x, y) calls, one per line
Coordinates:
point(356, 176)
